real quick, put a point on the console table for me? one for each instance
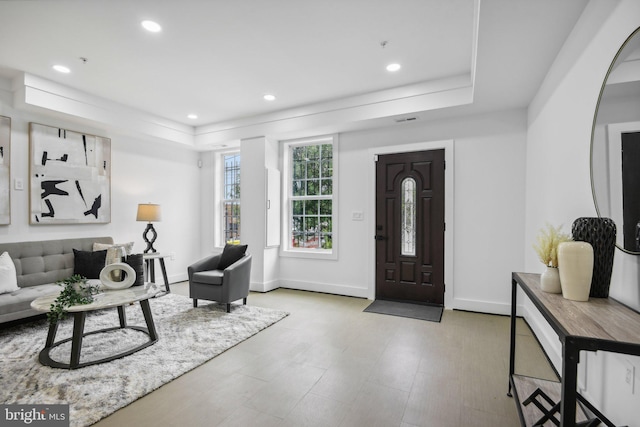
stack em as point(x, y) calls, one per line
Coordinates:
point(598, 324)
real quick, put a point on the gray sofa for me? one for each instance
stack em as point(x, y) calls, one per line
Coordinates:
point(39, 265)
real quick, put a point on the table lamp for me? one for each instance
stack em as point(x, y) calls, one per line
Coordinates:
point(151, 213)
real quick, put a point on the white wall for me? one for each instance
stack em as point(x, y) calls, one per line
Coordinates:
point(489, 210)
point(142, 171)
point(558, 183)
point(488, 216)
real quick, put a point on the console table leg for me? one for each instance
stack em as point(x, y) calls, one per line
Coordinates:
point(569, 382)
point(512, 345)
point(76, 341)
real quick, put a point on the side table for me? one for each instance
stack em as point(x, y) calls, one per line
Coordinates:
point(149, 261)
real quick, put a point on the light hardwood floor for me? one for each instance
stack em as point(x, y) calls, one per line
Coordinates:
point(330, 364)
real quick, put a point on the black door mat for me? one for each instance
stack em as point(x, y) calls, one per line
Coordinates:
point(431, 313)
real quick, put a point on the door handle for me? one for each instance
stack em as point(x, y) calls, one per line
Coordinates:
point(379, 237)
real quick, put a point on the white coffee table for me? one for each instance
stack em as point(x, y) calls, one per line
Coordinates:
point(107, 299)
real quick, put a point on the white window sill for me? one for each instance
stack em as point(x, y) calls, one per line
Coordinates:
point(309, 254)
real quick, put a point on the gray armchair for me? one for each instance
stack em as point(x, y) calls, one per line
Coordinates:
point(224, 286)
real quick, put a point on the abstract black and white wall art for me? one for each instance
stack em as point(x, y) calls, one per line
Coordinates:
point(5, 176)
point(70, 176)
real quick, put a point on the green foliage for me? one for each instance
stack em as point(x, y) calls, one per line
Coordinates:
point(547, 242)
point(76, 290)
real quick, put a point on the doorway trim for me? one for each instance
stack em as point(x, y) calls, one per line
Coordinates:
point(448, 146)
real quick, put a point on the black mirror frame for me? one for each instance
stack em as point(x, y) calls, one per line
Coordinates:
point(593, 129)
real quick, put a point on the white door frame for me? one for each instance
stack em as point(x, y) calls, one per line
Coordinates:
point(448, 146)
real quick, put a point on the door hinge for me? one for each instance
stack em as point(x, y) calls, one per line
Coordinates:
point(375, 157)
point(445, 165)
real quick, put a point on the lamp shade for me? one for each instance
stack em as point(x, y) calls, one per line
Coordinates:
point(149, 212)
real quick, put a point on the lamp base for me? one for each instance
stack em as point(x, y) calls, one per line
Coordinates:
point(154, 235)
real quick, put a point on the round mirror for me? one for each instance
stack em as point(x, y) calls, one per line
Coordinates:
point(615, 146)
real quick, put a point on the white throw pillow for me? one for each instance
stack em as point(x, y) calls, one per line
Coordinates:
point(102, 246)
point(8, 278)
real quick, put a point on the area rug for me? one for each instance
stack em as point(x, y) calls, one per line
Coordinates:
point(188, 337)
point(431, 313)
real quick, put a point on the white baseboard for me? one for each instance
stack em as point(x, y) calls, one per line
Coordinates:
point(328, 288)
point(483, 306)
point(264, 286)
point(174, 278)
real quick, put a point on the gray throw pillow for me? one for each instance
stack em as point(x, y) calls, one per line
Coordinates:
point(231, 254)
point(137, 263)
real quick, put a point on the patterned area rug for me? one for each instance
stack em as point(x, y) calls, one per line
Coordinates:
point(188, 337)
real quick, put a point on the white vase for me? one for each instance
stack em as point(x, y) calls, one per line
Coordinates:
point(575, 262)
point(550, 280)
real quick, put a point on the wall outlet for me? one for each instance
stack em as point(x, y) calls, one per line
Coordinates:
point(172, 256)
point(357, 216)
point(18, 184)
point(629, 376)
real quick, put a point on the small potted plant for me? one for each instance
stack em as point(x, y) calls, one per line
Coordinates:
point(546, 247)
point(76, 290)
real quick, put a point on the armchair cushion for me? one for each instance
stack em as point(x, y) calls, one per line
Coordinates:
point(211, 277)
point(231, 254)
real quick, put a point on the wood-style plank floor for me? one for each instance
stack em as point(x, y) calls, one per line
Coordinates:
point(331, 364)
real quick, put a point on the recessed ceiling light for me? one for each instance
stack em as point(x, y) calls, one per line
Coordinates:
point(61, 69)
point(192, 116)
point(151, 26)
point(393, 67)
point(269, 97)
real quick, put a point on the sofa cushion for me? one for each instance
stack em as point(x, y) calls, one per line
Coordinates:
point(8, 277)
point(211, 277)
point(231, 254)
point(89, 264)
point(16, 305)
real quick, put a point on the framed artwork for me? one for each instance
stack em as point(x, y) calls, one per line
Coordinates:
point(5, 167)
point(69, 176)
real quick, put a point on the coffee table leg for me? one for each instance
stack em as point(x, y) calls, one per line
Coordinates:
point(148, 317)
point(122, 316)
point(76, 342)
point(51, 335)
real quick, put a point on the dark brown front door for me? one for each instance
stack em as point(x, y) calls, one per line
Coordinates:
point(410, 227)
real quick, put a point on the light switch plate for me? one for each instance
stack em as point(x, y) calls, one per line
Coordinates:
point(357, 216)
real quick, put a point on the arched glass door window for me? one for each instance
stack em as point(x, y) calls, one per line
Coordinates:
point(408, 223)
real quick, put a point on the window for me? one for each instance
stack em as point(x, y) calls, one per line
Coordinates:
point(408, 232)
point(310, 179)
point(231, 199)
